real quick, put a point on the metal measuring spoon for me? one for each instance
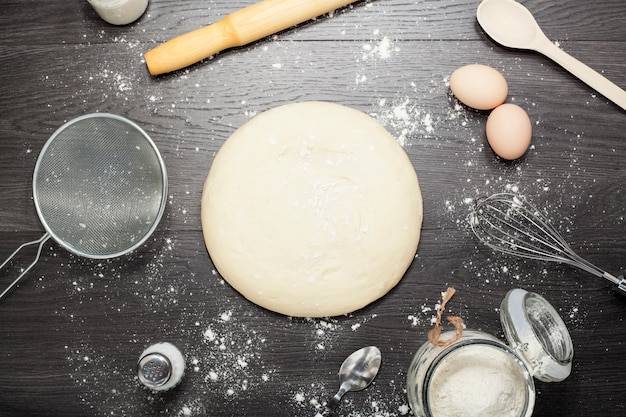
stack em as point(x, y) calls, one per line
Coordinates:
point(356, 373)
point(512, 25)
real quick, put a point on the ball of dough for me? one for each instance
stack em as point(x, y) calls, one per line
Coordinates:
point(312, 209)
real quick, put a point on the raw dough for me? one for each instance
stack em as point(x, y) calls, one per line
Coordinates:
point(312, 209)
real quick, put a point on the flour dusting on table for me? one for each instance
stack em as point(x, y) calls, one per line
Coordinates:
point(230, 347)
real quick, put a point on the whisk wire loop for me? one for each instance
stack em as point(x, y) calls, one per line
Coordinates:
point(517, 225)
point(509, 224)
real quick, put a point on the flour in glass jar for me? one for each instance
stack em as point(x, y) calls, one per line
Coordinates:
point(477, 381)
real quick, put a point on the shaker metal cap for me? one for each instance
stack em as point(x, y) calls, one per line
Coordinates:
point(161, 366)
point(154, 370)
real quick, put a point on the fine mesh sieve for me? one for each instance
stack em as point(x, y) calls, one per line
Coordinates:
point(99, 187)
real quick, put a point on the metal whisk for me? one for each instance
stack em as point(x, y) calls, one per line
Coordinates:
point(508, 223)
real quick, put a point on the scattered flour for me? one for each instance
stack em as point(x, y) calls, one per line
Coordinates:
point(381, 49)
point(228, 354)
point(405, 118)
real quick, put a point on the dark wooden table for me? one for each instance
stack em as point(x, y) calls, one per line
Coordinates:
point(71, 333)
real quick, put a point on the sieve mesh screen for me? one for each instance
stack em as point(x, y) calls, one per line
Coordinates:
point(99, 186)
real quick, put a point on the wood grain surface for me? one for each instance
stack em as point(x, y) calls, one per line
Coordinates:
point(71, 333)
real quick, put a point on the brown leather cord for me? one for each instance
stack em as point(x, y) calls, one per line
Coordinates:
point(435, 333)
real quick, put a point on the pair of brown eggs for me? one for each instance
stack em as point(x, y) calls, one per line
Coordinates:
point(508, 129)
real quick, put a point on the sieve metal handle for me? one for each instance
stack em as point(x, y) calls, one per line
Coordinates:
point(41, 241)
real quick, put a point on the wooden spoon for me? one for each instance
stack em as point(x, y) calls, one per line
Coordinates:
point(512, 25)
point(236, 29)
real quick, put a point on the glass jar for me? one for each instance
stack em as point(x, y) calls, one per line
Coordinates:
point(478, 375)
point(119, 12)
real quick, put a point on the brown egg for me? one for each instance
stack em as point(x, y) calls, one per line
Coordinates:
point(509, 131)
point(479, 86)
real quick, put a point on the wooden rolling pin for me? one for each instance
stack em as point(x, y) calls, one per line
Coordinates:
point(236, 29)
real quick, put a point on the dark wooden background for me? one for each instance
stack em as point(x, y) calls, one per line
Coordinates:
point(70, 335)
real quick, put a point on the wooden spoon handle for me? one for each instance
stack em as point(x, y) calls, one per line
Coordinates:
point(236, 29)
point(585, 73)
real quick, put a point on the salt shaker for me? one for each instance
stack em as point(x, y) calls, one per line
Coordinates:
point(119, 12)
point(161, 366)
point(480, 376)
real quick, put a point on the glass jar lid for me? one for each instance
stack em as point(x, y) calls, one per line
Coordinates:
point(535, 330)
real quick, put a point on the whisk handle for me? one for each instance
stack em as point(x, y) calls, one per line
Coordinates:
point(621, 286)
